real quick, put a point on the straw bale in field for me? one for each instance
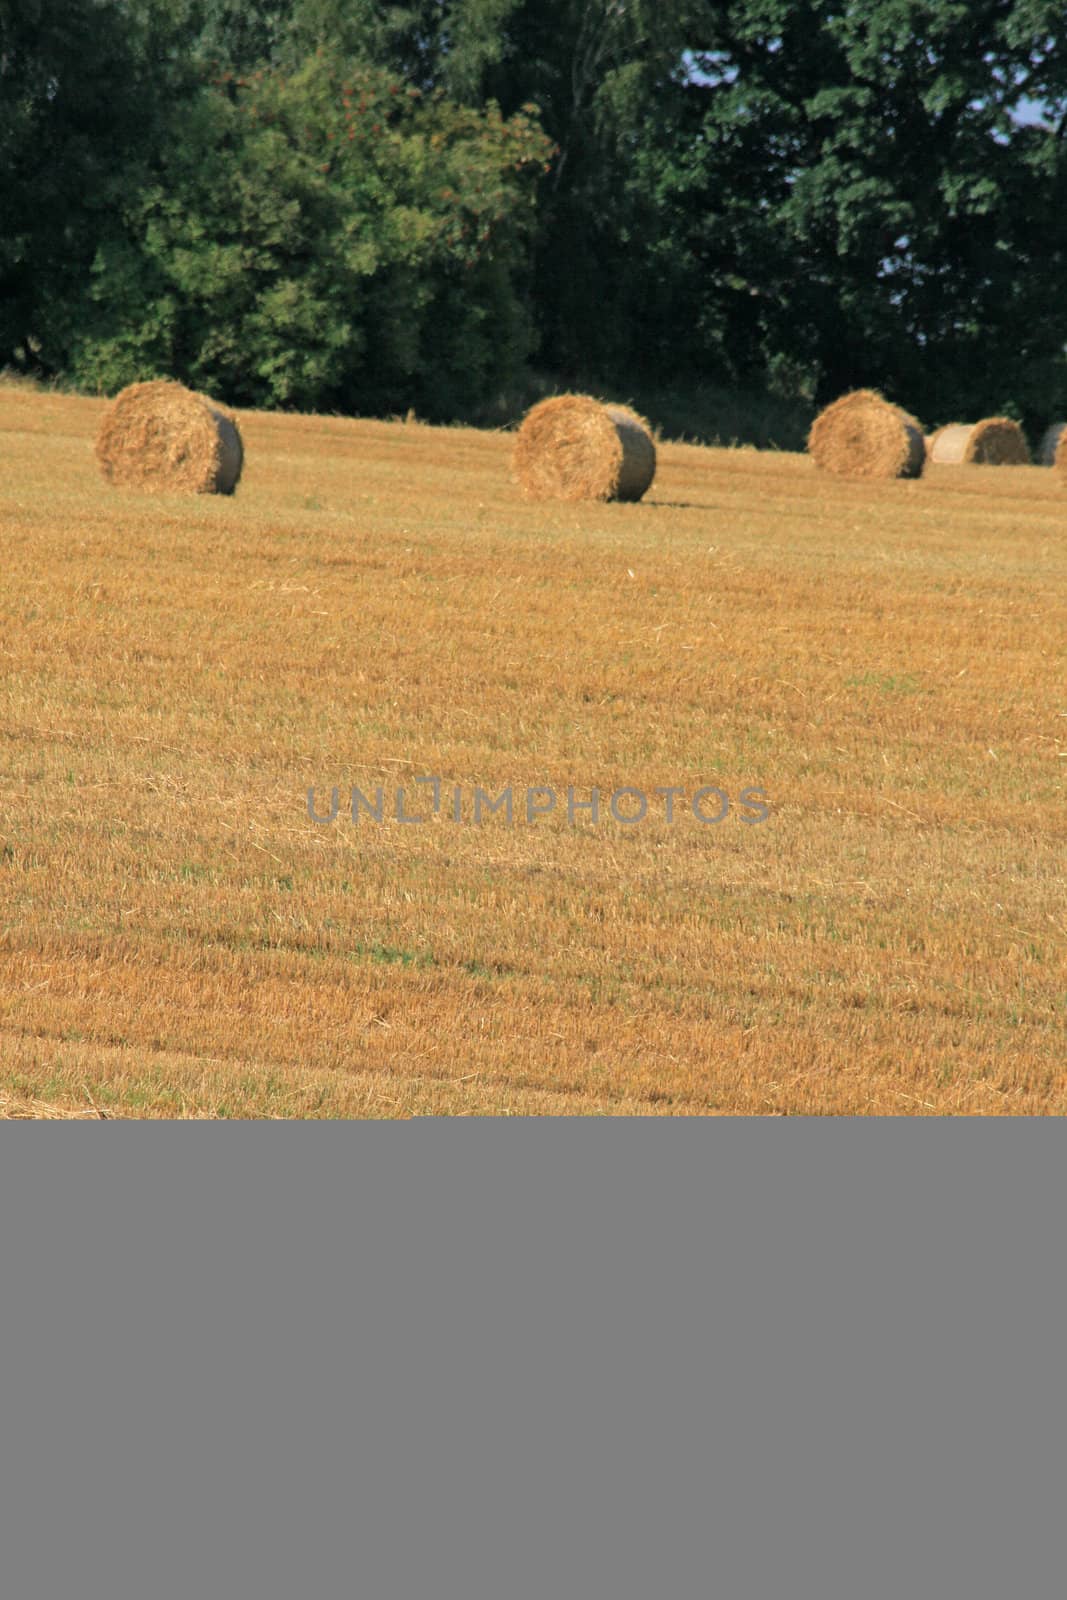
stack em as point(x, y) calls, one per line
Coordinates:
point(162, 437)
point(862, 435)
point(994, 442)
point(1052, 451)
point(573, 448)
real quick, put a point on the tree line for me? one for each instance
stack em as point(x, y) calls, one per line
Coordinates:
point(360, 207)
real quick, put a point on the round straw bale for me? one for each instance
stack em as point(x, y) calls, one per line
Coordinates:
point(930, 441)
point(1052, 451)
point(994, 442)
point(862, 435)
point(573, 448)
point(164, 438)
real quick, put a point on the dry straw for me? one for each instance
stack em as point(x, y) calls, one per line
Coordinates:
point(1052, 451)
point(862, 435)
point(994, 442)
point(162, 437)
point(573, 448)
point(44, 1111)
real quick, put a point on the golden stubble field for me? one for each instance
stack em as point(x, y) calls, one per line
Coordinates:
point(178, 938)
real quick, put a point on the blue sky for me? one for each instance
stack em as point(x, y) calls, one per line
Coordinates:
point(1029, 111)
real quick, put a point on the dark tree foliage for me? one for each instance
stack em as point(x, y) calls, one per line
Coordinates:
point(807, 195)
point(237, 35)
point(326, 238)
point(857, 174)
point(85, 88)
point(786, 196)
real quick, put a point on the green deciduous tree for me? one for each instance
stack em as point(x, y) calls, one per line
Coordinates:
point(850, 185)
point(85, 88)
point(326, 238)
point(791, 195)
point(794, 193)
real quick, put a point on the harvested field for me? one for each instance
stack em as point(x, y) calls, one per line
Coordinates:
point(887, 660)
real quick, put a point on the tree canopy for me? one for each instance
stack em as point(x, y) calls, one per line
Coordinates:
point(361, 206)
